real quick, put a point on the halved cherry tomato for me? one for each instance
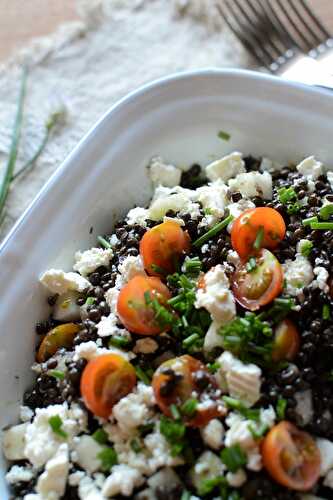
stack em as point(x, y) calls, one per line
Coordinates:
point(291, 457)
point(105, 380)
point(286, 341)
point(133, 308)
point(60, 336)
point(256, 288)
point(263, 225)
point(175, 381)
point(162, 246)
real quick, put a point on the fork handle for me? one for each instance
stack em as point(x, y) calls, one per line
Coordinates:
point(311, 71)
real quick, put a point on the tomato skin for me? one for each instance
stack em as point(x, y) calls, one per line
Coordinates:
point(286, 341)
point(185, 367)
point(291, 457)
point(132, 309)
point(245, 230)
point(255, 289)
point(60, 336)
point(162, 246)
point(105, 380)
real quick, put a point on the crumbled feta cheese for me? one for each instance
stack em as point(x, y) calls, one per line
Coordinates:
point(130, 267)
point(304, 406)
point(14, 442)
point(242, 380)
point(233, 258)
point(90, 350)
point(330, 178)
point(88, 261)
point(122, 480)
point(26, 414)
point(134, 409)
point(321, 278)
point(226, 168)
point(217, 297)
point(75, 478)
point(137, 215)
point(114, 240)
point(88, 489)
point(328, 481)
point(145, 346)
point(310, 168)
point(177, 199)
point(253, 184)
point(213, 433)
point(178, 221)
point(66, 308)
point(18, 474)
point(108, 327)
point(165, 479)
point(236, 209)
point(160, 452)
point(87, 450)
point(297, 274)
point(326, 452)
point(54, 478)
point(212, 338)
point(161, 173)
point(207, 466)
point(236, 479)
point(111, 297)
point(213, 199)
point(57, 281)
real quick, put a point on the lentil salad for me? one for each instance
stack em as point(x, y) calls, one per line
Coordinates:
point(184, 349)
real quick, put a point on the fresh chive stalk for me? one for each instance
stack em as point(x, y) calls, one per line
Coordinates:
point(326, 211)
point(142, 375)
point(56, 425)
point(309, 220)
point(56, 374)
point(119, 341)
point(324, 226)
point(213, 231)
point(100, 436)
point(175, 412)
point(225, 136)
point(326, 312)
point(103, 242)
point(259, 238)
point(281, 408)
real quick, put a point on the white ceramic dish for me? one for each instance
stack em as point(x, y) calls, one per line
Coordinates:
point(177, 117)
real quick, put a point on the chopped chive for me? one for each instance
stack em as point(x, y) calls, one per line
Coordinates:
point(172, 430)
point(100, 436)
point(224, 135)
point(90, 301)
point(189, 408)
point(135, 445)
point(306, 248)
point(174, 412)
point(236, 404)
point(322, 225)
point(56, 426)
point(119, 341)
point(213, 231)
point(56, 374)
point(309, 220)
point(146, 428)
point(258, 432)
point(326, 313)
point(189, 341)
point(286, 194)
point(108, 458)
point(208, 485)
point(233, 457)
point(293, 208)
point(193, 265)
point(259, 238)
point(186, 495)
point(326, 211)
point(251, 264)
point(142, 375)
point(213, 367)
point(158, 269)
point(281, 408)
point(103, 242)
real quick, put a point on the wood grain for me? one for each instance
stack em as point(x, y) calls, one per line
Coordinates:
point(22, 20)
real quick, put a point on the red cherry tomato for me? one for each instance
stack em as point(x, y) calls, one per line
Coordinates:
point(175, 382)
point(105, 380)
point(286, 341)
point(257, 228)
point(162, 246)
point(256, 288)
point(134, 309)
point(291, 457)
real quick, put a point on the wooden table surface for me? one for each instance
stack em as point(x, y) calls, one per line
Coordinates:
point(21, 20)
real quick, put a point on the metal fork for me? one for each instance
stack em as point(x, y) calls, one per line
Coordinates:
point(284, 36)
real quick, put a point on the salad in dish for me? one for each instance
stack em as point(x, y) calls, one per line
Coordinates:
point(188, 355)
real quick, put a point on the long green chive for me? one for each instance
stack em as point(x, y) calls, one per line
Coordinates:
point(189, 408)
point(172, 430)
point(208, 485)
point(224, 135)
point(193, 266)
point(251, 265)
point(259, 238)
point(56, 374)
point(258, 432)
point(235, 404)
point(190, 340)
point(56, 426)
point(309, 220)
point(326, 313)
point(119, 341)
point(108, 458)
point(142, 375)
point(306, 248)
point(281, 408)
point(90, 301)
point(103, 242)
point(9, 169)
point(286, 194)
point(322, 225)
point(174, 412)
point(233, 457)
point(213, 367)
point(100, 436)
point(326, 211)
point(213, 231)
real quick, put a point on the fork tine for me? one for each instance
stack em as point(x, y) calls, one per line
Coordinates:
point(316, 21)
point(250, 46)
point(279, 25)
point(307, 44)
point(307, 26)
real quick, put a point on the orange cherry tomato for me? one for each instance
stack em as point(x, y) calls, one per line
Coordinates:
point(262, 225)
point(136, 314)
point(256, 288)
point(174, 383)
point(291, 457)
point(60, 336)
point(105, 380)
point(286, 341)
point(162, 246)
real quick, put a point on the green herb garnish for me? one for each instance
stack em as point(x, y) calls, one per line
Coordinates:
point(56, 374)
point(193, 266)
point(213, 367)
point(233, 457)
point(119, 341)
point(189, 408)
point(103, 242)
point(208, 485)
point(309, 220)
point(224, 135)
point(213, 231)
point(324, 226)
point(56, 426)
point(306, 248)
point(159, 269)
point(108, 458)
point(259, 238)
point(286, 194)
point(251, 265)
point(174, 433)
point(90, 301)
point(136, 445)
point(162, 316)
point(236, 404)
point(174, 412)
point(142, 375)
point(258, 431)
point(281, 408)
point(326, 211)
point(186, 495)
point(100, 436)
point(326, 312)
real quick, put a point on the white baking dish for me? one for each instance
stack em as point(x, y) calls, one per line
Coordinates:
point(177, 117)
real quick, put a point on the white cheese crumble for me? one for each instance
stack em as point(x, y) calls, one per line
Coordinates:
point(236, 479)
point(145, 346)
point(242, 381)
point(216, 297)
point(177, 199)
point(227, 167)
point(90, 350)
point(212, 338)
point(326, 452)
point(108, 327)
point(137, 215)
point(111, 297)
point(213, 199)
point(328, 480)
point(88, 261)
point(297, 274)
point(236, 209)
point(164, 174)
point(213, 433)
point(129, 268)
point(330, 178)
point(310, 168)
point(14, 442)
point(122, 480)
point(207, 466)
point(54, 478)
point(321, 278)
point(88, 489)
point(26, 414)
point(178, 221)
point(253, 184)
point(304, 406)
point(18, 474)
point(87, 449)
point(57, 281)
point(75, 477)
point(135, 408)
